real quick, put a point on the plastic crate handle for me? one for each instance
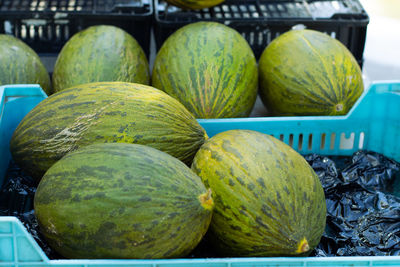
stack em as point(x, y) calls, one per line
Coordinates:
point(17, 245)
point(15, 102)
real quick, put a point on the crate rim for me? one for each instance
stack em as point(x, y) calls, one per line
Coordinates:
point(93, 12)
point(348, 260)
point(47, 15)
point(361, 18)
point(273, 21)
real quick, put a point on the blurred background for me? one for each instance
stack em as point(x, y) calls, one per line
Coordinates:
point(382, 47)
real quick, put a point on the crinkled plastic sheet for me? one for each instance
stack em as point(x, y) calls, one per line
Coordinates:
point(363, 205)
point(16, 199)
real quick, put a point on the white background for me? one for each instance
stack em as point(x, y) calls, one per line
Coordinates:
point(382, 47)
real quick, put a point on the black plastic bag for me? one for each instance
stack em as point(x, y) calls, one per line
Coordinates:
point(16, 199)
point(363, 213)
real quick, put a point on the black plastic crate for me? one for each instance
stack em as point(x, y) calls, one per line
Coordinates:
point(260, 21)
point(46, 25)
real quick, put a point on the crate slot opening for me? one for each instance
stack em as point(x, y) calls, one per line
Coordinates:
point(310, 140)
point(300, 144)
point(291, 137)
point(251, 38)
point(323, 137)
point(260, 39)
point(333, 137)
point(346, 142)
point(361, 141)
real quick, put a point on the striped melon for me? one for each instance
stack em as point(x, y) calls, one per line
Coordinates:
point(268, 200)
point(19, 64)
point(306, 72)
point(194, 4)
point(101, 53)
point(210, 68)
point(104, 112)
point(122, 201)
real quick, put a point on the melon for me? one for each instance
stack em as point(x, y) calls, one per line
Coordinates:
point(122, 201)
point(194, 4)
point(268, 200)
point(104, 112)
point(19, 64)
point(100, 53)
point(307, 72)
point(210, 68)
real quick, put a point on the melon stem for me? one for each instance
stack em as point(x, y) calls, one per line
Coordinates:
point(206, 200)
point(339, 107)
point(303, 246)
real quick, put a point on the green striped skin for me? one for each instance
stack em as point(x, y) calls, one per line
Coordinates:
point(105, 112)
point(100, 53)
point(121, 201)
point(210, 69)
point(268, 200)
point(194, 4)
point(19, 64)
point(306, 72)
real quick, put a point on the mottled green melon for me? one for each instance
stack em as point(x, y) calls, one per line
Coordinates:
point(100, 53)
point(210, 68)
point(268, 200)
point(19, 64)
point(194, 4)
point(122, 201)
point(306, 72)
point(104, 112)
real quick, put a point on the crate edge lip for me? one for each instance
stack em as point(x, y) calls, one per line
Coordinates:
point(50, 15)
point(274, 21)
point(364, 20)
point(47, 12)
point(348, 260)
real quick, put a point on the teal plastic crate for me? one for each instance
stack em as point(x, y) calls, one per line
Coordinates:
point(372, 124)
point(16, 102)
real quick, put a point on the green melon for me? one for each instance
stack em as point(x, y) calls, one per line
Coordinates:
point(194, 4)
point(268, 200)
point(104, 112)
point(100, 53)
point(306, 72)
point(19, 64)
point(210, 68)
point(122, 201)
